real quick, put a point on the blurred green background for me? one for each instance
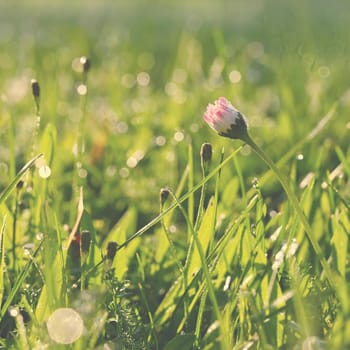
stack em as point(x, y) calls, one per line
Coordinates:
point(155, 66)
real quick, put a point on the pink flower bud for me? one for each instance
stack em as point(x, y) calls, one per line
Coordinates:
point(226, 120)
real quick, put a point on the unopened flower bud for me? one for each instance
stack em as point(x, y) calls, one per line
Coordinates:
point(85, 241)
point(206, 155)
point(19, 185)
point(226, 120)
point(35, 89)
point(36, 94)
point(85, 62)
point(164, 194)
point(111, 250)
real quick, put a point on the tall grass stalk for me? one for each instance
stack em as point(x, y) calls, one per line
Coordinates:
point(199, 185)
point(294, 201)
point(207, 276)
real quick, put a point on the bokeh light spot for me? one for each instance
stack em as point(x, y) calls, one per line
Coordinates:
point(179, 136)
point(324, 71)
point(82, 89)
point(65, 326)
point(44, 171)
point(143, 79)
point(235, 76)
point(124, 172)
point(160, 140)
point(131, 162)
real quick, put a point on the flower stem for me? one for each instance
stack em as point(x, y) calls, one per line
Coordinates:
point(293, 199)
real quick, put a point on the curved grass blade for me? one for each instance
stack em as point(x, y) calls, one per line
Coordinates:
point(323, 122)
point(19, 281)
point(6, 192)
point(179, 201)
point(2, 259)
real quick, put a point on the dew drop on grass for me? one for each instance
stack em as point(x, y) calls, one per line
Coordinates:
point(300, 156)
point(44, 171)
point(65, 326)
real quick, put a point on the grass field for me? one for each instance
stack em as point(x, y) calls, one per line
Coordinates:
point(115, 233)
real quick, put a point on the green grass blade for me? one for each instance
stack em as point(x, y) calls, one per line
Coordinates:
point(6, 192)
point(340, 223)
point(119, 234)
point(48, 143)
point(180, 200)
point(181, 341)
point(205, 234)
point(2, 259)
point(17, 285)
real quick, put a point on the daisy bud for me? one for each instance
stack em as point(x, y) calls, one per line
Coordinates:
point(111, 250)
point(36, 93)
point(20, 185)
point(85, 62)
point(226, 120)
point(85, 241)
point(164, 194)
point(206, 155)
point(35, 88)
